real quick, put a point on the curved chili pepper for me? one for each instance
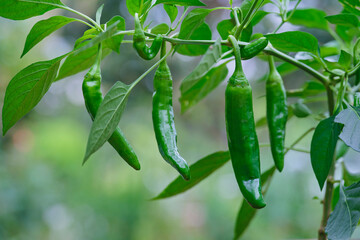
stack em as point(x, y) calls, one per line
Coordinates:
point(93, 98)
point(276, 113)
point(139, 42)
point(241, 134)
point(253, 48)
point(163, 119)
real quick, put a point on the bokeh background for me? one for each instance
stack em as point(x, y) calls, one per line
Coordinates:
point(45, 192)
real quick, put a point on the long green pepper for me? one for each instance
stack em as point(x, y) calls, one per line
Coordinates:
point(241, 134)
point(163, 118)
point(139, 42)
point(276, 113)
point(93, 98)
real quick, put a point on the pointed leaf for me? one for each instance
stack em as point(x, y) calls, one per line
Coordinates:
point(210, 59)
point(171, 11)
point(199, 171)
point(114, 42)
point(181, 2)
point(26, 89)
point(107, 117)
point(323, 146)
point(203, 86)
point(202, 33)
point(344, 19)
point(76, 63)
point(99, 13)
point(246, 212)
point(294, 41)
point(138, 6)
point(162, 28)
point(44, 28)
point(192, 21)
point(21, 9)
point(345, 59)
point(345, 217)
point(350, 134)
point(310, 18)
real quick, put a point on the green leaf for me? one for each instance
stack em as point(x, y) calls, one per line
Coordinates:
point(99, 13)
point(343, 220)
point(310, 88)
point(347, 33)
point(345, 59)
point(192, 21)
point(76, 63)
point(203, 87)
point(107, 117)
point(343, 19)
point(246, 212)
point(294, 41)
point(137, 6)
point(349, 177)
point(351, 6)
point(171, 11)
point(106, 35)
point(203, 32)
point(199, 171)
point(20, 10)
point(26, 90)
point(181, 2)
point(300, 110)
point(350, 134)
point(114, 42)
point(210, 59)
point(322, 149)
point(44, 28)
point(310, 18)
point(162, 28)
point(259, 15)
point(335, 197)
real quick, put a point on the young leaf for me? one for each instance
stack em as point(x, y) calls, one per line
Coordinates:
point(181, 2)
point(76, 63)
point(99, 13)
point(310, 18)
point(210, 59)
point(26, 89)
point(203, 32)
point(162, 28)
point(171, 11)
point(20, 10)
point(343, 19)
point(44, 28)
point(345, 217)
point(350, 134)
point(192, 21)
point(351, 6)
point(246, 212)
point(294, 41)
point(345, 59)
point(138, 6)
point(199, 171)
point(322, 149)
point(107, 117)
point(203, 86)
point(114, 42)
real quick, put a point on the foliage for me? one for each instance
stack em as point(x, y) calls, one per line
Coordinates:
point(192, 37)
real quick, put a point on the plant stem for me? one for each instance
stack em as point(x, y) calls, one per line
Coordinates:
point(330, 179)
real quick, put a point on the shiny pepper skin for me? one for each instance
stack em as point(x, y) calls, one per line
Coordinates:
point(163, 120)
point(276, 113)
point(139, 42)
point(93, 98)
point(242, 139)
point(254, 48)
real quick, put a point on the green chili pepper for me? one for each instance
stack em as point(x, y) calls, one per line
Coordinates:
point(276, 113)
point(93, 98)
point(139, 42)
point(163, 119)
point(253, 48)
point(241, 133)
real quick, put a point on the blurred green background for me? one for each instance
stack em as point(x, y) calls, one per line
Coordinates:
point(45, 193)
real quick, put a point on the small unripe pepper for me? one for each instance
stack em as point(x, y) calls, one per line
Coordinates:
point(253, 48)
point(242, 139)
point(163, 119)
point(139, 42)
point(93, 98)
point(276, 113)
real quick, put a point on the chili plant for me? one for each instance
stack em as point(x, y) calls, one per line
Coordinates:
point(333, 70)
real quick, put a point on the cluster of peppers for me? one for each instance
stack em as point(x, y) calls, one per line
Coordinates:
point(240, 125)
